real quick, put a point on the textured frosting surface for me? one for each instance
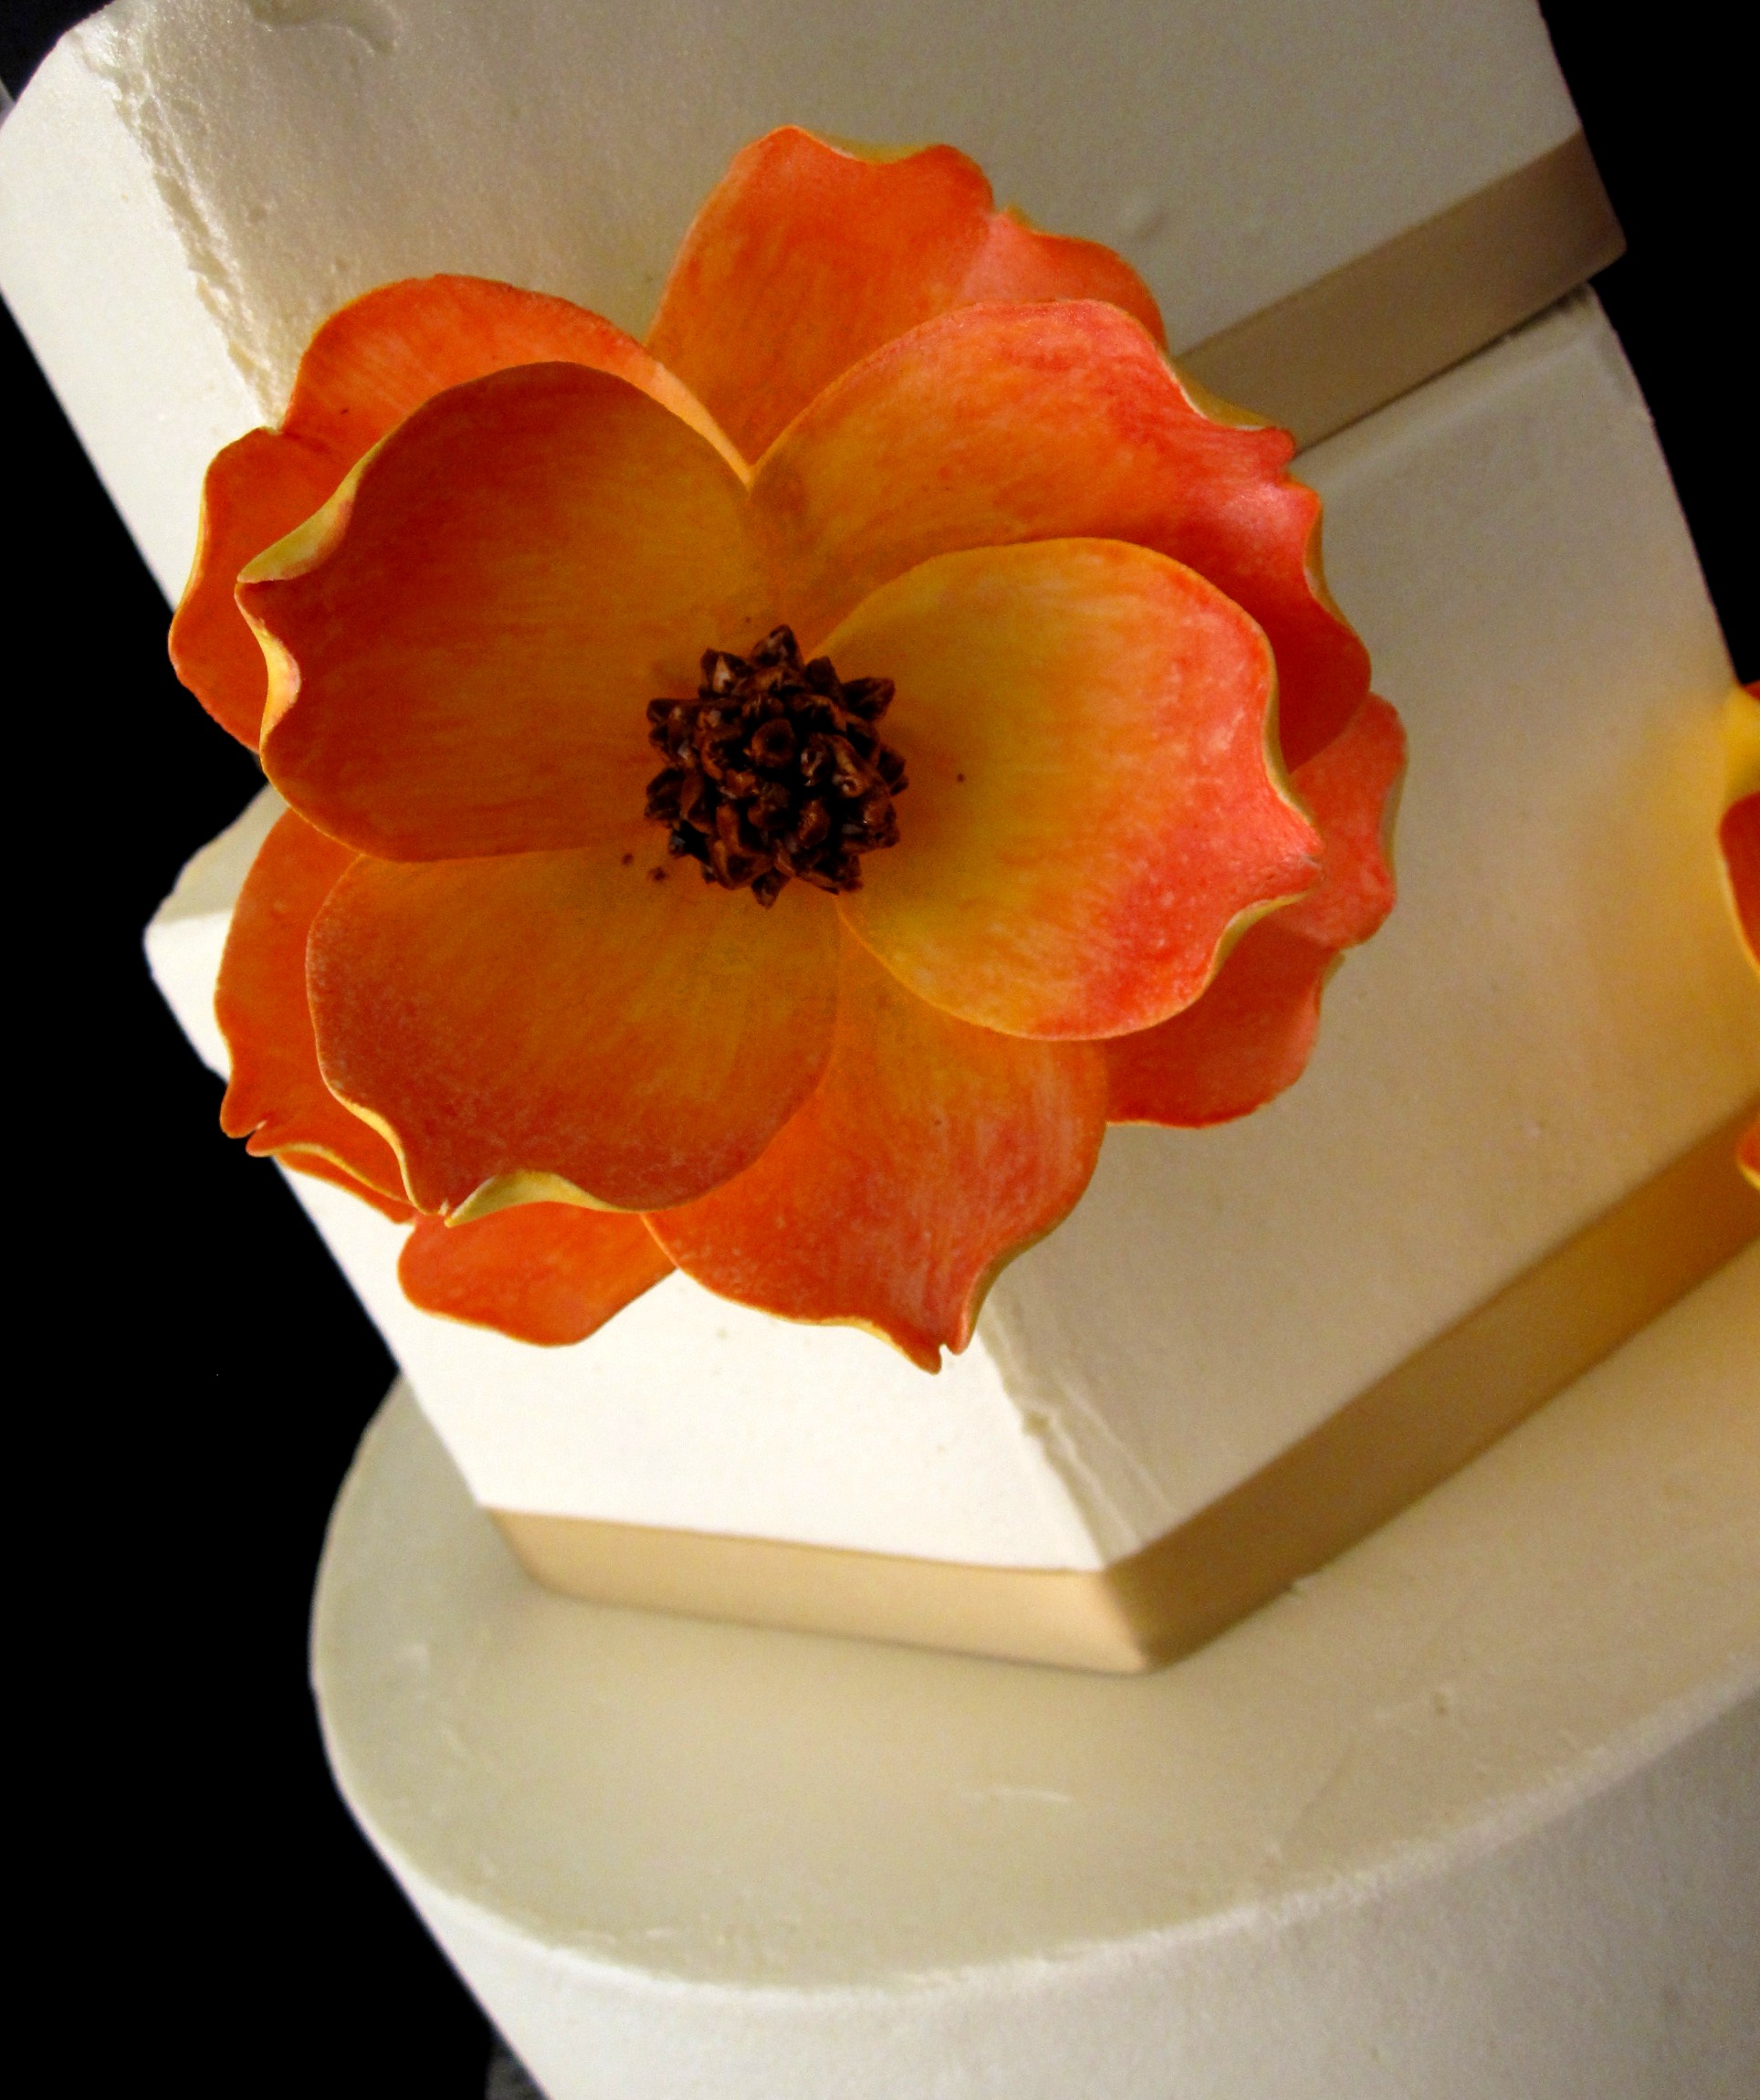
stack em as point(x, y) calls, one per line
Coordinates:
point(1472, 1812)
point(223, 174)
point(1556, 1008)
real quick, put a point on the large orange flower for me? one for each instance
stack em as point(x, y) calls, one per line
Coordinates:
point(832, 1010)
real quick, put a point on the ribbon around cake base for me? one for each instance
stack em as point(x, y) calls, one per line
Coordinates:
point(1402, 1436)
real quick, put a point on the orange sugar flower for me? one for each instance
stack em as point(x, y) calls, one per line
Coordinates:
point(763, 801)
point(1739, 836)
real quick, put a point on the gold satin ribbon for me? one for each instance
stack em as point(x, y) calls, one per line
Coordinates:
point(1385, 323)
point(1380, 1453)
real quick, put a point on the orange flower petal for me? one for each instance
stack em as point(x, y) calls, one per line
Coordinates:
point(1349, 790)
point(464, 642)
point(1005, 423)
point(1019, 264)
point(807, 255)
point(277, 1098)
point(564, 1014)
point(381, 357)
point(255, 491)
point(543, 1273)
point(1252, 1033)
point(932, 1153)
point(323, 1170)
point(1091, 811)
point(1747, 1154)
point(367, 368)
point(1248, 1038)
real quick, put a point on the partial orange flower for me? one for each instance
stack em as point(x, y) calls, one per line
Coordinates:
point(1739, 834)
point(899, 583)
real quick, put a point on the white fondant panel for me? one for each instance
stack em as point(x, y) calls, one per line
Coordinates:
point(1558, 1007)
point(1471, 1816)
point(95, 267)
point(191, 185)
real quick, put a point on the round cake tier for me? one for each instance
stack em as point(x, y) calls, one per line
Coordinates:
point(1473, 1813)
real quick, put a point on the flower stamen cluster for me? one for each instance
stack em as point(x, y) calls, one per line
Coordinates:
point(775, 770)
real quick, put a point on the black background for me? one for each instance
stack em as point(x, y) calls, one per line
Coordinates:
point(209, 1372)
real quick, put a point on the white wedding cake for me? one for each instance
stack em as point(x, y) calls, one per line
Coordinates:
point(1471, 1810)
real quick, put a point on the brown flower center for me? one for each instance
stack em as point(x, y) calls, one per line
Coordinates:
point(776, 770)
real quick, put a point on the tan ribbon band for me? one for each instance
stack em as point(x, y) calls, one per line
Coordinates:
point(1407, 1432)
point(1385, 323)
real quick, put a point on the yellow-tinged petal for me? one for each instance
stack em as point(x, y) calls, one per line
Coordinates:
point(568, 1015)
point(1248, 1038)
point(1250, 1034)
point(1020, 423)
point(277, 1097)
point(1351, 790)
point(369, 365)
point(1093, 813)
point(807, 255)
point(930, 1153)
point(463, 643)
point(544, 1273)
point(256, 489)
